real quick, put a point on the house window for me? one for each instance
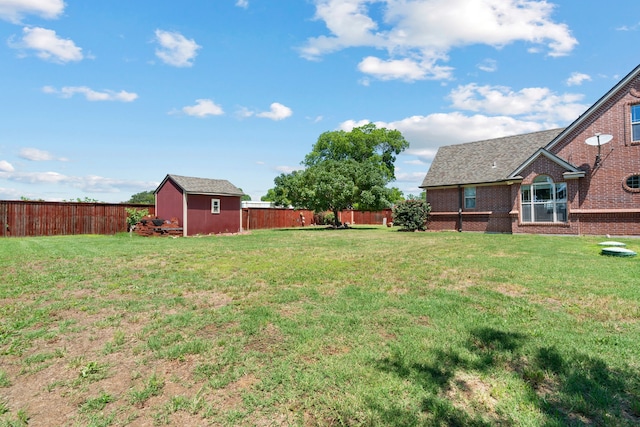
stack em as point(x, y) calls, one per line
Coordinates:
point(544, 201)
point(635, 122)
point(632, 183)
point(215, 206)
point(470, 197)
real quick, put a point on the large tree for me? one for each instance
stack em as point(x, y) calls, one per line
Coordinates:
point(143, 197)
point(344, 170)
point(367, 143)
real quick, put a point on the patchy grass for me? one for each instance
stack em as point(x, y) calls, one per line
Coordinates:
point(318, 327)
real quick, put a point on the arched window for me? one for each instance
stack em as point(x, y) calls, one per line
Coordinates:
point(544, 201)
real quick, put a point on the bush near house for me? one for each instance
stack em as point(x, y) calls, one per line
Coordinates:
point(411, 215)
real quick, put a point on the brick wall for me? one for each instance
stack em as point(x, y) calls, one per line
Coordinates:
point(598, 203)
point(491, 214)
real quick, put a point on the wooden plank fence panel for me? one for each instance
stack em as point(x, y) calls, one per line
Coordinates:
point(33, 218)
point(260, 218)
point(19, 218)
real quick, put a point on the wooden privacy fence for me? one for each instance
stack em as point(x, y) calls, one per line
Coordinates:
point(256, 218)
point(20, 218)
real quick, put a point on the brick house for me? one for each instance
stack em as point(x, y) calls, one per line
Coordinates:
point(582, 179)
point(201, 205)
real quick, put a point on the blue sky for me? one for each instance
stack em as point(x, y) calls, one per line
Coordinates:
point(102, 99)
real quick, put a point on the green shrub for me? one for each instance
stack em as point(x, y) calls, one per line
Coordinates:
point(134, 216)
point(411, 215)
point(324, 218)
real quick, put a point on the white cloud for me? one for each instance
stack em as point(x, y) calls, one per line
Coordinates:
point(48, 45)
point(244, 112)
point(276, 112)
point(35, 177)
point(175, 49)
point(488, 65)
point(89, 184)
point(419, 34)
point(9, 193)
point(203, 108)
point(426, 133)
point(409, 176)
point(539, 104)
point(92, 95)
point(36, 155)
point(414, 162)
point(6, 166)
point(576, 79)
point(629, 27)
point(403, 69)
point(496, 111)
point(14, 10)
point(288, 169)
point(242, 3)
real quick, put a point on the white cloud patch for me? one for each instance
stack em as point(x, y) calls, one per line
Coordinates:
point(242, 3)
point(14, 10)
point(576, 79)
point(488, 65)
point(402, 69)
point(203, 108)
point(48, 46)
point(288, 169)
point(89, 184)
point(495, 111)
point(426, 133)
point(90, 94)
point(539, 104)
point(9, 193)
point(409, 176)
point(276, 112)
point(175, 49)
point(419, 34)
point(6, 166)
point(36, 155)
point(629, 27)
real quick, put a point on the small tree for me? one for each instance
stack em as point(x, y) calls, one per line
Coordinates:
point(134, 216)
point(411, 214)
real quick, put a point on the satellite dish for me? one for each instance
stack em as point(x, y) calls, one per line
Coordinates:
point(598, 139)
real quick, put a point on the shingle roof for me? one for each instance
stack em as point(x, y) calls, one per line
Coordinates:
point(486, 161)
point(205, 185)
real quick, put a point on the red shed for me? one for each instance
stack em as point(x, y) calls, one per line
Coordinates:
point(202, 206)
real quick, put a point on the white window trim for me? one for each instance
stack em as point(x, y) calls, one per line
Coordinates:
point(554, 202)
point(215, 206)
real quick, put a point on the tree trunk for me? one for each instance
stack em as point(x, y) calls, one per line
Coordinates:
point(336, 220)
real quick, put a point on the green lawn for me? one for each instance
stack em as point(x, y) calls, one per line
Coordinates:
point(368, 326)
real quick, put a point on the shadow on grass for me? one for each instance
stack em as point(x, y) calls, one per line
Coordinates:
point(569, 389)
point(326, 228)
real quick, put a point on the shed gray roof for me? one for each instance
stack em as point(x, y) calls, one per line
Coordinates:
point(492, 160)
point(204, 185)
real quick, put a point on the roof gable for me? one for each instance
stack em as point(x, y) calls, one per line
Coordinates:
point(491, 160)
point(192, 185)
point(586, 116)
point(571, 169)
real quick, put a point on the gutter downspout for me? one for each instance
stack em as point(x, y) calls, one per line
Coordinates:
point(460, 198)
point(241, 228)
point(185, 213)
